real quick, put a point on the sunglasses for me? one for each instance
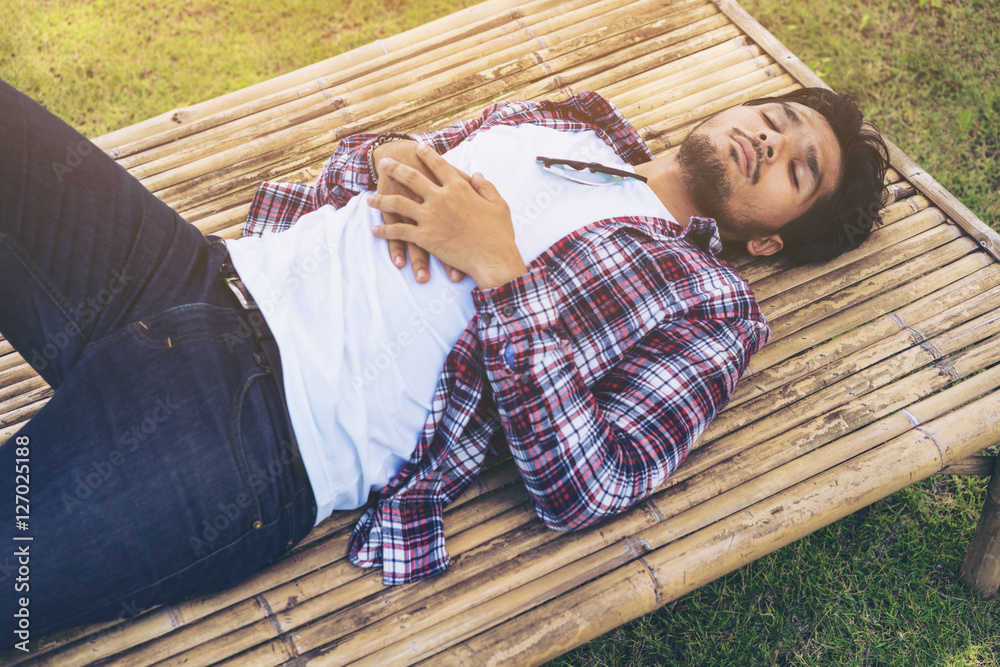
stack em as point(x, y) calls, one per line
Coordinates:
point(588, 173)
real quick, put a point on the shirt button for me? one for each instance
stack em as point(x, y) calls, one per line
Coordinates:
point(525, 377)
point(508, 311)
point(486, 318)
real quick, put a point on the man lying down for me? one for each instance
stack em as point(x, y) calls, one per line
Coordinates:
point(564, 301)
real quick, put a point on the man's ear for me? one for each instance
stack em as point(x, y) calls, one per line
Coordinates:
point(763, 246)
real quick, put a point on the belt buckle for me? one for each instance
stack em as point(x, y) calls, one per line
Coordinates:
point(240, 290)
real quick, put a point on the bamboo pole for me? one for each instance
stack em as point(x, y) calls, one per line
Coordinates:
point(36, 399)
point(761, 269)
point(328, 558)
point(860, 392)
point(958, 382)
point(864, 323)
point(367, 80)
point(600, 71)
point(786, 291)
point(23, 393)
point(13, 369)
point(873, 280)
point(824, 330)
point(182, 204)
point(284, 616)
point(832, 386)
point(981, 567)
point(784, 309)
point(863, 343)
point(757, 269)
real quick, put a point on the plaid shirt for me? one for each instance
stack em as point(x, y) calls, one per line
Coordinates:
point(599, 368)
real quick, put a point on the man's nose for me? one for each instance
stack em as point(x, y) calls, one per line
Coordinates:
point(772, 144)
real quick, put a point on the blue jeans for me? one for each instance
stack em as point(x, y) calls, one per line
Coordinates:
point(160, 467)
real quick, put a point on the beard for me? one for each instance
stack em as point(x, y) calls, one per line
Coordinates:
point(705, 177)
point(707, 181)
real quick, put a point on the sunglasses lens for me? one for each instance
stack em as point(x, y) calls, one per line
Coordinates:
point(584, 176)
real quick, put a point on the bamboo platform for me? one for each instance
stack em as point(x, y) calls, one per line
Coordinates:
point(884, 367)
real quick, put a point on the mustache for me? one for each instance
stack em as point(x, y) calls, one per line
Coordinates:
point(758, 152)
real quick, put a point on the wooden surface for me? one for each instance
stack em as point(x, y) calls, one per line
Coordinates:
point(883, 368)
point(981, 568)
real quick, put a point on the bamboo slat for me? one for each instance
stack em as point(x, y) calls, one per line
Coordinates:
point(370, 79)
point(883, 368)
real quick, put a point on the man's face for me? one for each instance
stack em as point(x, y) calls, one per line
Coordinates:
point(756, 168)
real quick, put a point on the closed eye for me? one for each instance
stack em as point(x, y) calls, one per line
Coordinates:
point(791, 167)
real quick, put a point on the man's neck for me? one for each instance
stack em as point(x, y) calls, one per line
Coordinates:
point(667, 183)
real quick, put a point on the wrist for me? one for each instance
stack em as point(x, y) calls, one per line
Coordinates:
point(378, 150)
point(499, 274)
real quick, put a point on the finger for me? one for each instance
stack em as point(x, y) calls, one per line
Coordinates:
point(454, 274)
point(397, 249)
point(408, 177)
point(405, 233)
point(419, 261)
point(389, 218)
point(397, 253)
point(438, 166)
point(398, 204)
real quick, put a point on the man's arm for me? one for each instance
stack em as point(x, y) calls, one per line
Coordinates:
point(587, 453)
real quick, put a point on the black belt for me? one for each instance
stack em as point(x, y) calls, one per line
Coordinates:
point(269, 347)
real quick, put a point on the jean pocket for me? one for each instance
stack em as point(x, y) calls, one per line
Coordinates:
point(191, 323)
point(262, 435)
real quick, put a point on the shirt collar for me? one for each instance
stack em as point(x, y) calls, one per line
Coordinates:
point(704, 233)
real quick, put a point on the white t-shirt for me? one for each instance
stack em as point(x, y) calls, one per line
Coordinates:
point(362, 343)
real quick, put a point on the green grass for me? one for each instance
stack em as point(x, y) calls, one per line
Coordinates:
point(107, 64)
point(878, 588)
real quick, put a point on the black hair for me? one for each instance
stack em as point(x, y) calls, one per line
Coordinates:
point(841, 220)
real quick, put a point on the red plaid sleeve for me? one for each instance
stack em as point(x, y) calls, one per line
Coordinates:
point(590, 449)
